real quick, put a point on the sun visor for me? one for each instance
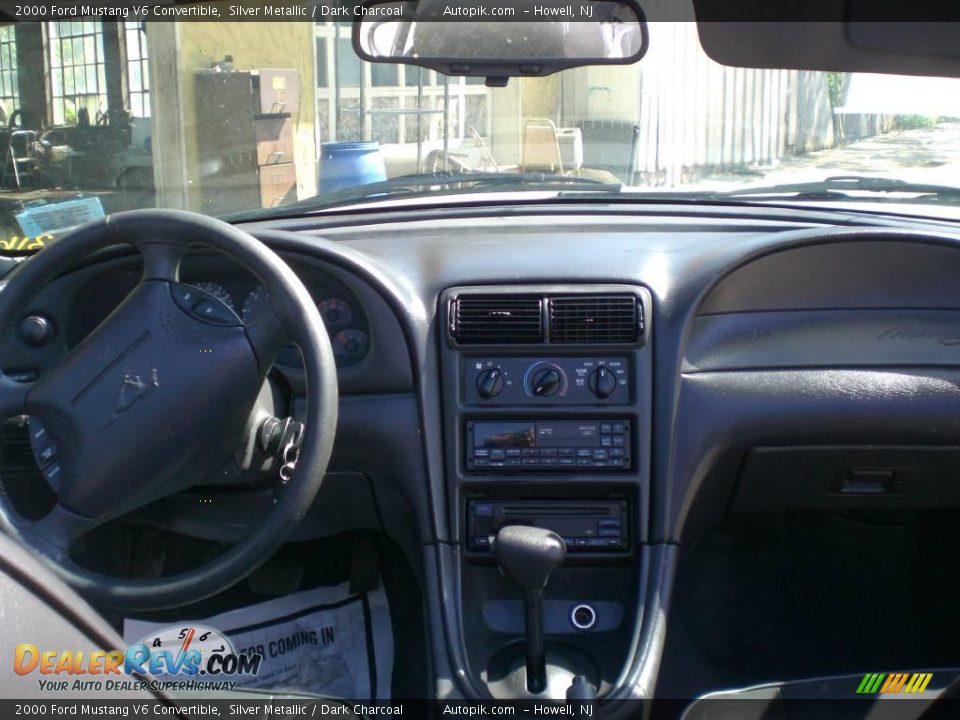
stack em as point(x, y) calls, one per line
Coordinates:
point(848, 36)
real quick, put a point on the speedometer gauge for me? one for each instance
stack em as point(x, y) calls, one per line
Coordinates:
point(218, 291)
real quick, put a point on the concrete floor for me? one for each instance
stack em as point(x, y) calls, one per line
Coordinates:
point(927, 155)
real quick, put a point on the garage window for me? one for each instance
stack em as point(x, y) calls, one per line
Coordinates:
point(77, 75)
point(9, 86)
point(138, 79)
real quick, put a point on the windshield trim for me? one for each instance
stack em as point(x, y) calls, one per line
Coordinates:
point(895, 207)
point(675, 209)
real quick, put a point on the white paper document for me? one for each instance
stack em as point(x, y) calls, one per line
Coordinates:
point(324, 641)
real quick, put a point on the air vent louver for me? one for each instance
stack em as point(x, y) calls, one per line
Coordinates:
point(498, 319)
point(594, 319)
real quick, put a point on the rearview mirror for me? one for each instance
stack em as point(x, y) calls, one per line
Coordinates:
point(497, 41)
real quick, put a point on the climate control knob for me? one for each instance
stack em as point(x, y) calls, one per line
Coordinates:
point(602, 382)
point(545, 382)
point(490, 383)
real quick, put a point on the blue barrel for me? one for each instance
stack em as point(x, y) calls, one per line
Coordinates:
point(348, 164)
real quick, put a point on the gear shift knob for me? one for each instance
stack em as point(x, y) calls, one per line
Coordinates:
point(527, 556)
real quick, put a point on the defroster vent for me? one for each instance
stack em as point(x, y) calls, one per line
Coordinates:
point(484, 319)
point(595, 319)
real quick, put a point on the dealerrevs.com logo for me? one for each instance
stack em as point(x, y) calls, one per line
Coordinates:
point(174, 658)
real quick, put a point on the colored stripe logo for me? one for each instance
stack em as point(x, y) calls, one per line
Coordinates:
point(891, 683)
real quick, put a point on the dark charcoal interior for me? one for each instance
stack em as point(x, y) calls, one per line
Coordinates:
point(750, 482)
point(751, 605)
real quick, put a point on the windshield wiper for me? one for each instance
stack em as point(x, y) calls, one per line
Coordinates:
point(841, 187)
point(444, 180)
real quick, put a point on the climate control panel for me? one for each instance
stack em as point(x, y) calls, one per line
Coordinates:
point(546, 381)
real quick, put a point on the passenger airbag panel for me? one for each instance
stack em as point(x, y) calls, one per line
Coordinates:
point(825, 338)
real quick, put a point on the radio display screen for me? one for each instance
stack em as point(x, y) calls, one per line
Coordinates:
point(504, 435)
point(549, 445)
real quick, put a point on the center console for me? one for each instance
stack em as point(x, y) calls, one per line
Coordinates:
point(547, 436)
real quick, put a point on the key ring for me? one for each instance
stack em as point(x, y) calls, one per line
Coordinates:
point(291, 453)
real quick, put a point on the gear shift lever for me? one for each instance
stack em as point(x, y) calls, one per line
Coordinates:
point(527, 556)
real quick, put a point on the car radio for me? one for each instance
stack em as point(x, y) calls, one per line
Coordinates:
point(548, 445)
point(586, 526)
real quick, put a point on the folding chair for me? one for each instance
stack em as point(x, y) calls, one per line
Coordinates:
point(541, 148)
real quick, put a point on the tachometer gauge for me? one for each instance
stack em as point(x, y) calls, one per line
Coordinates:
point(256, 302)
point(336, 311)
point(350, 344)
point(218, 291)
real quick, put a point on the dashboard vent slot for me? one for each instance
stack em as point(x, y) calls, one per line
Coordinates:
point(595, 319)
point(506, 319)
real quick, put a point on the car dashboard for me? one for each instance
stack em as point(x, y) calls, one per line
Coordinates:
point(625, 375)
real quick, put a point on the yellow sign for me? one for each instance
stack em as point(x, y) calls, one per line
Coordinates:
point(25, 243)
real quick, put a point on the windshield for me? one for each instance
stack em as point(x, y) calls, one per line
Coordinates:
point(282, 117)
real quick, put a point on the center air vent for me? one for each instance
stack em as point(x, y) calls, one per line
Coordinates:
point(479, 319)
point(595, 319)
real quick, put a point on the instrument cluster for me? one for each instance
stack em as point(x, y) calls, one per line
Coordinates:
point(342, 316)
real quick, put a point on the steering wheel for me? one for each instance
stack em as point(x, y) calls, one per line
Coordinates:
point(158, 395)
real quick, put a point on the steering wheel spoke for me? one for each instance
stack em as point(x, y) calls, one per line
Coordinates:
point(267, 336)
point(161, 260)
point(55, 533)
point(13, 396)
